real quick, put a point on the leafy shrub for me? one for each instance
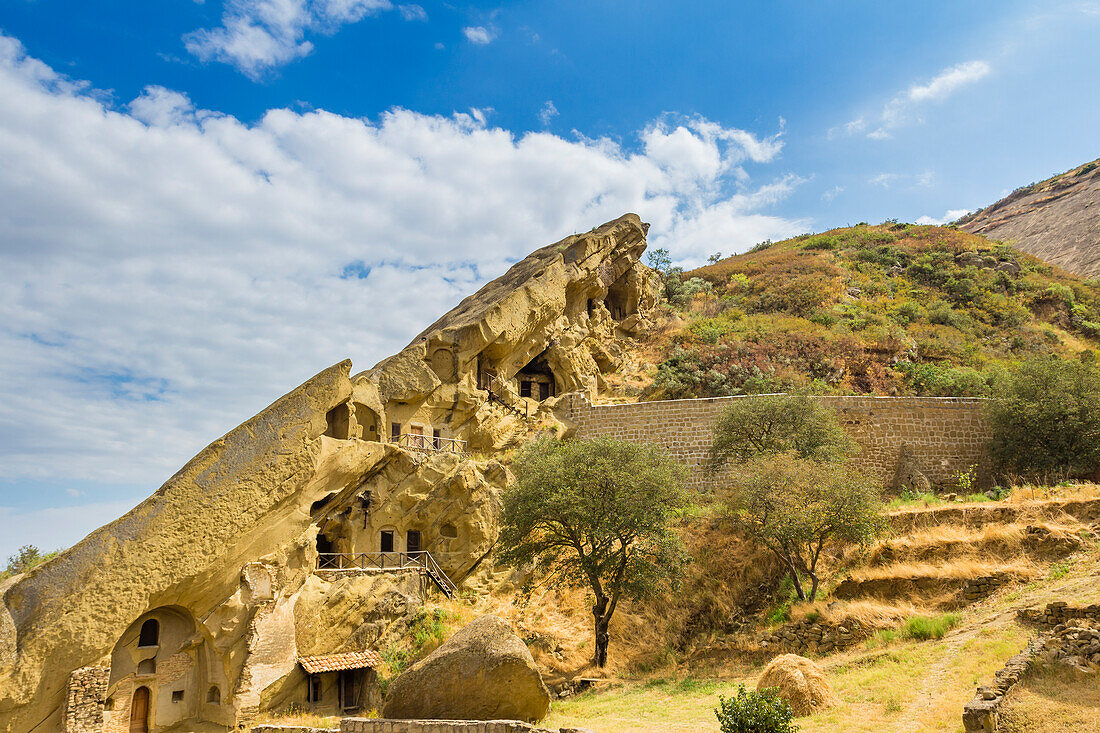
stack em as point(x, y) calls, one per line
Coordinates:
point(944, 381)
point(1046, 419)
point(755, 711)
point(821, 242)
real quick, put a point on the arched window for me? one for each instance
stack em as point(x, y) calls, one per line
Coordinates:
point(149, 634)
point(214, 695)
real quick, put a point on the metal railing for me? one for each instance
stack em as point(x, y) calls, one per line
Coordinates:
point(431, 443)
point(390, 561)
point(499, 391)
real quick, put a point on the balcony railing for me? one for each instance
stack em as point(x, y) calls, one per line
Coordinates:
point(431, 444)
point(388, 561)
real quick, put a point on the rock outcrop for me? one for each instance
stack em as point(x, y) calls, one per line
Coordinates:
point(483, 672)
point(241, 560)
point(1057, 220)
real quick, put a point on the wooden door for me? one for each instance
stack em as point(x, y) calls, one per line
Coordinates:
point(139, 711)
point(412, 541)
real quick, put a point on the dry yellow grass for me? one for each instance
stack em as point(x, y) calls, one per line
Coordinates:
point(869, 613)
point(958, 568)
point(1055, 701)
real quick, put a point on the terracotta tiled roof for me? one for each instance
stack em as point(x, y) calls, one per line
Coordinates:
point(336, 662)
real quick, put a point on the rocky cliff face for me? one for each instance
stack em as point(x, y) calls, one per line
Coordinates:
point(224, 556)
point(1057, 220)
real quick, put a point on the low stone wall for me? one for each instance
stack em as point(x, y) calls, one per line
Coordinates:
point(380, 725)
point(1059, 612)
point(291, 729)
point(816, 636)
point(943, 434)
point(982, 714)
point(977, 589)
point(84, 703)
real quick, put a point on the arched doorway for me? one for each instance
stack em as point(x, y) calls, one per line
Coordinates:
point(139, 711)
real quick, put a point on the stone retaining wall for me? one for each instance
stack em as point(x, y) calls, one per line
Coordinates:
point(982, 714)
point(84, 703)
point(816, 636)
point(380, 725)
point(291, 729)
point(1059, 612)
point(944, 434)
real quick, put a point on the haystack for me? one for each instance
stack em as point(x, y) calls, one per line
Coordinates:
point(800, 682)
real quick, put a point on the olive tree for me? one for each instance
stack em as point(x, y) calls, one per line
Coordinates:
point(778, 424)
point(796, 507)
point(595, 514)
point(1045, 419)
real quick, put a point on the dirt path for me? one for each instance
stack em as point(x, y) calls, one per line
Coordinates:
point(915, 717)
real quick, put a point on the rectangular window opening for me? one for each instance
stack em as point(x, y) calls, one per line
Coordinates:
point(386, 541)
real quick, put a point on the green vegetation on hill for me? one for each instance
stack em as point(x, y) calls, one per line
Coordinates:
point(887, 309)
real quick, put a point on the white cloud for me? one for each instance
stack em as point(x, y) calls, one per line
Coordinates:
point(548, 112)
point(167, 271)
point(903, 108)
point(413, 12)
point(257, 36)
point(886, 180)
point(949, 80)
point(479, 34)
point(950, 215)
point(832, 193)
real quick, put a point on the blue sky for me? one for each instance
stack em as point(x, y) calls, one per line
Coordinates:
point(204, 203)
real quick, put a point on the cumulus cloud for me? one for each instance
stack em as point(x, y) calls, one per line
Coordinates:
point(479, 34)
point(949, 216)
point(257, 36)
point(904, 107)
point(167, 271)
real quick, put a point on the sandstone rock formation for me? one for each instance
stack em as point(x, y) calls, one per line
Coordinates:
point(196, 606)
point(800, 682)
point(1057, 220)
point(484, 672)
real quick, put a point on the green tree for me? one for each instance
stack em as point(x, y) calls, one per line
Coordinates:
point(660, 260)
point(778, 424)
point(1045, 419)
point(28, 557)
point(796, 507)
point(596, 514)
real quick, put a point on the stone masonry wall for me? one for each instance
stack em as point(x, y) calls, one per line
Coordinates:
point(380, 725)
point(944, 434)
point(84, 704)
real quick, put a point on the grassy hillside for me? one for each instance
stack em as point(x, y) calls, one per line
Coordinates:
point(889, 309)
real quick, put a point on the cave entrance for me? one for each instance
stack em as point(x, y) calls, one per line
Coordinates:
point(536, 380)
point(338, 422)
point(620, 300)
point(326, 553)
point(369, 420)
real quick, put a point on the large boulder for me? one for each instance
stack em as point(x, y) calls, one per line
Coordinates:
point(484, 672)
point(800, 682)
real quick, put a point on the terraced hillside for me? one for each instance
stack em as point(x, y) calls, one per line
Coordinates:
point(890, 309)
point(921, 628)
point(1057, 219)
